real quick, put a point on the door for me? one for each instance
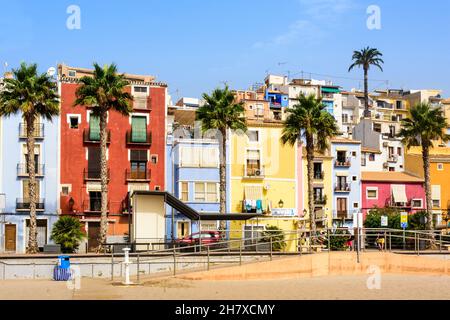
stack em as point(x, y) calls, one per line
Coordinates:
point(93, 234)
point(41, 228)
point(10, 237)
point(94, 163)
point(182, 229)
point(342, 208)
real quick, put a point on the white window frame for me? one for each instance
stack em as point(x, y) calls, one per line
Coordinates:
point(421, 203)
point(259, 136)
point(180, 190)
point(69, 71)
point(140, 93)
point(74, 115)
point(371, 189)
point(261, 166)
point(440, 167)
point(205, 183)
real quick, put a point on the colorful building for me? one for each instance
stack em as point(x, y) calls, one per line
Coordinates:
point(346, 180)
point(263, 172)
point(397, 190)
point(14, 182)
point(136, 153)
point(192, 167)
point(440, 179)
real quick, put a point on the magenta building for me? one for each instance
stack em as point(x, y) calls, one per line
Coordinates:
point(392, 189)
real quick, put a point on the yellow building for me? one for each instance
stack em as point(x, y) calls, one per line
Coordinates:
point(440, 178)
point(323, 188)
point(263, 174)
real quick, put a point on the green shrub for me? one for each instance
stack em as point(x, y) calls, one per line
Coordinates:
point(67, 232)
point(338, 240)
point(277, 235)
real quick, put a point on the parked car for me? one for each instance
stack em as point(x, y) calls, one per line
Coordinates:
point(208, 238)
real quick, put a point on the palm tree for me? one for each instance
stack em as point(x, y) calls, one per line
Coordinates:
point(220, 112)
point(366, 58)
point(424, 125)
point(33, 95)
point(104, 91)
point(309, 120)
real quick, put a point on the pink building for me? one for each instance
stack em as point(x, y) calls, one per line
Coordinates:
point(392, 189)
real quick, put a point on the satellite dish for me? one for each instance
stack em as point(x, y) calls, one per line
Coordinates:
point(51, 71)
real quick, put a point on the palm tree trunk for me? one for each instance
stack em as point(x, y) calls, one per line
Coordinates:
point(32, 239)
point(366, 93)
point(310, 168)
point(104, 182)
point(426, 170)
point(223, 176)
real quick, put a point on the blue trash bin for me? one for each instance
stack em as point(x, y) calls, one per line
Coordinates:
point(60, 274)
point(64, 262)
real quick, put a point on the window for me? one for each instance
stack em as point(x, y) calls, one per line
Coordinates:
point(154, 159)
point(157, 188)
point(354, 154)
point(253, 163)
point(391, 152)
point(65, 190)
point(440, 167)
point(94, 128)
point(140, 89)
point(399, 104)
point(184, 191)
point(372, 193)
point(377, 127)
point(72, 73)
point(259, 110)
point(344, 118)
point(355, 178)
point(355, 205)
point(206, 192)
point(417, 203)
point(399, 151)
point(95, 201)
point(436, 203)
point(253, 135)
point(138, 129)
point(74, 122)
point(391, 169)
point(318, 173)
point(341, 156)
point(371, 157)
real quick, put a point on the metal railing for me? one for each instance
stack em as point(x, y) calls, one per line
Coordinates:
point(344, 163)
point(94, 175)
point(22, 169)
point(93, 206)
point(90, 138)
point(24, 204)
point(138, 175)
point(147, 140)
point(38, 131)
point(342, 187)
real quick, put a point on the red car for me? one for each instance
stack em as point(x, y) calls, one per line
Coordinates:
point(209, 238)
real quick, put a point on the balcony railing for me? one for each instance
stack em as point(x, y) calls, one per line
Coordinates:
point(344, 214)
point(392, 204)
point(142, 103)
point(90, 137)
point(93, 206)
point(38, 131)
point(140, 138)
point(93, 175)
point(347, 162)
point(23, 204)
point(22, 170)
point(254, 173)
point(320, 200)
point(136, 175)
point(319, 175)
point(342, 187)
point(393, 159)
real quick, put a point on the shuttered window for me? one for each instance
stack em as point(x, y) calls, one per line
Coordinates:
point(138, 155)
point(94, 128)
point(138, 129)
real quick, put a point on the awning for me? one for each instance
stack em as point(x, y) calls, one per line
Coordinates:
point(399, 193)
point(330, 90)
point(253, 193)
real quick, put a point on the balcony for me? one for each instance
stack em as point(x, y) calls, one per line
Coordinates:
point(139, 138)
point(93, 175)
point(253, 173)
point(24, 204)
point(22, 170)
point(320, 200)
point(343, 163)
point(390, 203)
point(142, 103)
point(393, 159)
point(342, 187)
point(343, 214)
point(91, 137)
point(38, 132)
point(319, 175)
point(389, 136)
point(93, 206)
point(138, 176)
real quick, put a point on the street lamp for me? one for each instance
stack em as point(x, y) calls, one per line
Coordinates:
point(281, 203)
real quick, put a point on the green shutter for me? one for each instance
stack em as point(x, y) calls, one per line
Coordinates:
point(94, 128)
point(138, 129)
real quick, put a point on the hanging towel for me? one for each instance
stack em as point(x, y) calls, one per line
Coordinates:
point(259, 207)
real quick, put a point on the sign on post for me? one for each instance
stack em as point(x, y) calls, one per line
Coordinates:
point(384, 221)
point(404, 220)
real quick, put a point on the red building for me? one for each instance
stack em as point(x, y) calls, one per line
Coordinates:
point(135, 152)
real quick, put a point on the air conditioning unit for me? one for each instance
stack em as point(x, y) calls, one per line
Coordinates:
point(385, 144)
point(258, 173)
point(385, 165)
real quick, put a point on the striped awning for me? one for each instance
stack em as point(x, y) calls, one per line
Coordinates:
point(399, 193)
point(253, 193)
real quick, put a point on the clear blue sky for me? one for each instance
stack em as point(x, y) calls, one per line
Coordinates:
point(195, 45)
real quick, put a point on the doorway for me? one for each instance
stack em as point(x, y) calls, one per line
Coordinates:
point(93, 234)
point(10, 237)
point(182, 229)
point(342, 208)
